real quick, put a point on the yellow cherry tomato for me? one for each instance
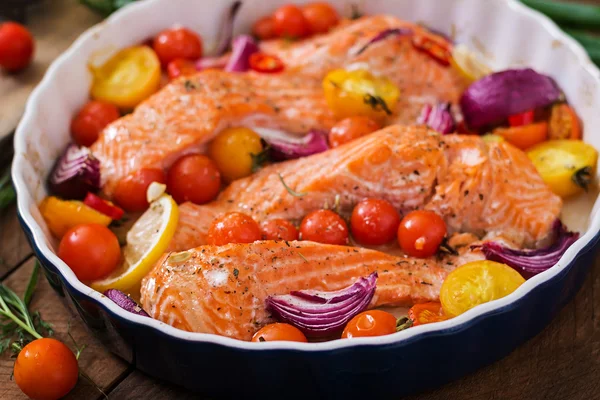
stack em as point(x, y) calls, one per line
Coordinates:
point(359, 93)
point(232, 151)
point(476, 283)
point(567, 166)
point(127, 78)
point(62, 215)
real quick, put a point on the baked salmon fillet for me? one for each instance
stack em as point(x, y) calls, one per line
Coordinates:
point(222, 289)
point(188, 112)
point(481, 188)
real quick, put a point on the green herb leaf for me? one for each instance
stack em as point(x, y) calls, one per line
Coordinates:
point(289, 190)
point(32, 283)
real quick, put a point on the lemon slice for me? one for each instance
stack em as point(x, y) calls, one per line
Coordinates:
point(147, 241)
point(468, 64)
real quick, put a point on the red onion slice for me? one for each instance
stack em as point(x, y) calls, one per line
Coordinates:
point(75, 173)
point(125, 302)
point(384, 35)
point(438, 117)
point(243, 47)
point(321, 314)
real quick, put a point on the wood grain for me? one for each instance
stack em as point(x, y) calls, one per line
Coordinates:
point(102, 367)
point(14, 247)
point(55, 24)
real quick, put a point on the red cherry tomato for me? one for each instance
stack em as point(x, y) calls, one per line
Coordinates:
point(91, 120)
point(374, 222)
point(289, 22)
point(438, 51)
point(351, 128)
point(525, 118)
point(46, 369)
point(278, 229)
point(264, 28)
point(321, 17)
point(426, 313)
point(234, 227)
point(103, 206)
point(181, 67)
point(278, 332)
point(420, 233)
point(194, 178)
point(130, 192)
point(265, 63)
point(91, 250)
point(324, 226)
point(370, 323)
point(176, 43)
point(16, 46)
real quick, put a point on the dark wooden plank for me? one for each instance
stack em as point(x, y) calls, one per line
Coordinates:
point(139, 386)
point(14, 247)
point(104, 368)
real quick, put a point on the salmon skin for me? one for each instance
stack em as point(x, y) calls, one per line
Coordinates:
point(485, 189)
point(187, 113)
point(222, 289)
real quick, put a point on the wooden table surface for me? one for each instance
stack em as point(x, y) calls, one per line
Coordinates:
point(563, 362)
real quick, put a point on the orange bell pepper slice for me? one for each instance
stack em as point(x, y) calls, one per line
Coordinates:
point(62, 215)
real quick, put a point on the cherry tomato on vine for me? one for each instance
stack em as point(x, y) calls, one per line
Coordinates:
point(279, 332)
point(178, 42)
point(290, 22)
point(46, 369)
point(351, 128)
point(324, 226)
point(321, 17)
point(233, 227)
point(91, 120)
point(264, 28)
point(278, 229)
point(194, 178)
point(130, 192)
point(92, 251)
point(374, 222)
point(370, 323)
point(16, 46)
point(420, 233)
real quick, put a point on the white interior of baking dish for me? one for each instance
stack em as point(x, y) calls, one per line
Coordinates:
point(503, 32)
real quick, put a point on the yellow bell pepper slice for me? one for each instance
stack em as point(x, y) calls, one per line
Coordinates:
point(62, 215)
point(567, 166)
point(359, 93)
point(127, 78)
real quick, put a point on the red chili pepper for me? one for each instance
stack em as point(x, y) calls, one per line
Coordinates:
point(525, 118)
point(261, 62)
point(180, 67)
point(103, 206)
point(435, 49)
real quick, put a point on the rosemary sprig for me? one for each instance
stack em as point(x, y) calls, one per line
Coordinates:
point(403, 323)
point(290, 190)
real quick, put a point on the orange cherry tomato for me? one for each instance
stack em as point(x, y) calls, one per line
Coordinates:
point(16, 46)
point(370, 323)
point(524, 136)
point(427, 313)
point(91, 120)
point(130, 192)
point(265, 63)
point(278, 229)
point(92, 251)
point(564, 123)
point(264, 28)
point(420, 233)
point(233, 227)
point(438, 51)
point(290, 22)
point(194, 178)
point(181, 67)
point(176, 43)
point(324, 226)
point(374, 222)
point(279, 332)
point(525, 118)
point(321, 17)
point(46, 369)
point(351, 128)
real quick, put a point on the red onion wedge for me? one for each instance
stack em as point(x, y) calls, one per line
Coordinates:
point(495, 97)
point(322, 314)
point(75, 173)
point(384, 35)
point(243, 47)
point(532, 262)
point(284, 146)
point(125, 302)
point(226, 32)
point(438, 117)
